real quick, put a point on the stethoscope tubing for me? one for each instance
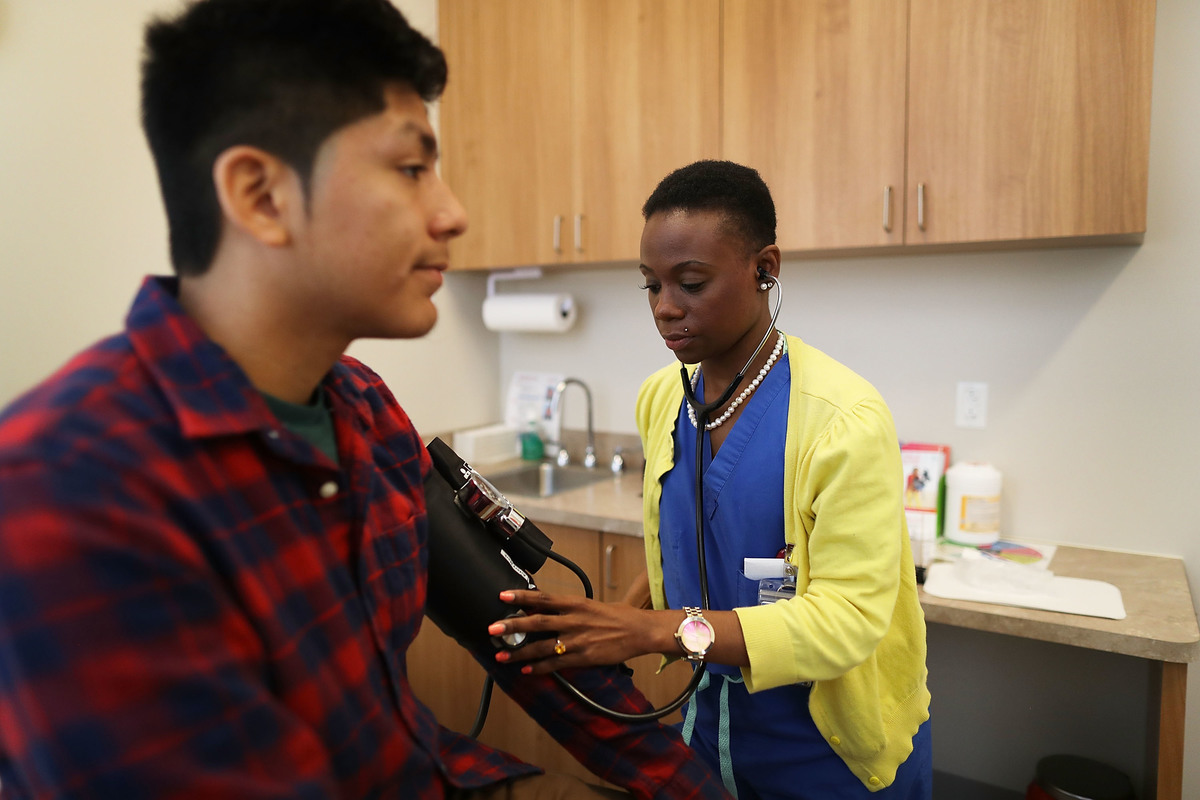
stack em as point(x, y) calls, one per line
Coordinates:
point(703, 412)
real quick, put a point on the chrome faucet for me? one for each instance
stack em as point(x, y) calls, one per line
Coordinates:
point(589, 455)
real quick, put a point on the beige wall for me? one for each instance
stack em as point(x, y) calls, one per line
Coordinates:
point(81, 221)
point(1092, 356)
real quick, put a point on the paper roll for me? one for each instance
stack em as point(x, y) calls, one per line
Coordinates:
point(536, 313)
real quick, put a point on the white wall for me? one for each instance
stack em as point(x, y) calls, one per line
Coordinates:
point(1092, 356)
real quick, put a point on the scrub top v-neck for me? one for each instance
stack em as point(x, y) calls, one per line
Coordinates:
point(743, 492)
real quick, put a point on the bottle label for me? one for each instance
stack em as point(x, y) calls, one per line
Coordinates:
point(980, 513)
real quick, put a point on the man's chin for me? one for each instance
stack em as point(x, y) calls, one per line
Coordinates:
point(417, 325)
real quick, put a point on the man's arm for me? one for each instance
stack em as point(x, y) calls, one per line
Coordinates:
point(125, 668)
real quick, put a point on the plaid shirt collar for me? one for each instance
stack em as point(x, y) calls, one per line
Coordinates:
point(210, 394)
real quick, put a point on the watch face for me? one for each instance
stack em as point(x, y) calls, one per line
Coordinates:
point(695, 636)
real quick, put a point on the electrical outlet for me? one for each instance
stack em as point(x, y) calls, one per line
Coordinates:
point(971, 409)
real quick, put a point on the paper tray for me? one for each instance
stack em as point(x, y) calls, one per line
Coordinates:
point(1067, 595)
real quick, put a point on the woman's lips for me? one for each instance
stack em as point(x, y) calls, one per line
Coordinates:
point(676, 343)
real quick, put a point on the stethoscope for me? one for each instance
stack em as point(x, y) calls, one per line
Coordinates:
point(703, 413)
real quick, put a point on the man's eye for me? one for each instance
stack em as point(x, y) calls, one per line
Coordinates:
point(413, 171)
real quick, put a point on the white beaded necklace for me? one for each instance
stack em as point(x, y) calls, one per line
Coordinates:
point(762, 373)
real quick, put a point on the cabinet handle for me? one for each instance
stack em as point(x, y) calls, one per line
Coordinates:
point(558, 233)
point(579, 233)
point(921, 206)
point(887, 209)
point(609, 583)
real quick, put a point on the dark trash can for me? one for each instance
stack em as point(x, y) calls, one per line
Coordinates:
point(1066, 777)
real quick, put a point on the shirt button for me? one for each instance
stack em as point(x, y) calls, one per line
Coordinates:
point(272, 434)
point(329, 489)
point(874, 781)
point(835, 741)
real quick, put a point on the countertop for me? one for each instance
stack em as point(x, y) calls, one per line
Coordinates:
point(1160, 622)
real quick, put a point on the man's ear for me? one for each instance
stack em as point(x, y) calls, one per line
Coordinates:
point(257, 191)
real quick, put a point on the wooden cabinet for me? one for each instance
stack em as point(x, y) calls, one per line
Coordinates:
point(1028, 119)
point(560, 117)
point(449, 681)
point(623, 558)
point(814, 99)
point(942, 122)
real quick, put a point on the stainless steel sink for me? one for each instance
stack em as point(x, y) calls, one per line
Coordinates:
point(545, 479)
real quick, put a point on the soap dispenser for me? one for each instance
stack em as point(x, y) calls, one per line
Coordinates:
point(531, 442)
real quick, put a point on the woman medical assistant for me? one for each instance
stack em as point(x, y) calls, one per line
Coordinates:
point(820, 696)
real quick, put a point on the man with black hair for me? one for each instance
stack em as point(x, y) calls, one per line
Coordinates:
point(212, 525)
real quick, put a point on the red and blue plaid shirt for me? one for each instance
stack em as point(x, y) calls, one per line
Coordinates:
point(197, 603)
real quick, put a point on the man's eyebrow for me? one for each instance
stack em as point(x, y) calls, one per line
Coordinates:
point(429, 144)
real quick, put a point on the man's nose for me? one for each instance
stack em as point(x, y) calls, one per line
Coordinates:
point(450, 220)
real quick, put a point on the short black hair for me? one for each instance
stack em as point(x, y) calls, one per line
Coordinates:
point(281, 75)
point(737, 191)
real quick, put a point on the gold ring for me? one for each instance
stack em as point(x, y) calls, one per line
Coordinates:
point(559, 647)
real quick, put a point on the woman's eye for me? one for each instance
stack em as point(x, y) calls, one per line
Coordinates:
point(691, 288)
point(413, 171)
point(650, 287)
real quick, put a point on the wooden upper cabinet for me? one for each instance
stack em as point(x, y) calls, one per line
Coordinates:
point(1029, 119)
point(561, 116)
point(505, 128)
point(814, 99)
point(876, 123)
point(647, 101)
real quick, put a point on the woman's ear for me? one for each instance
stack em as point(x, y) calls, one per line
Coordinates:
point(256, 190)
point(768, 266)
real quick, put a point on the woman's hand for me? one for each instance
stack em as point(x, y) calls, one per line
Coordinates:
point(585, 632)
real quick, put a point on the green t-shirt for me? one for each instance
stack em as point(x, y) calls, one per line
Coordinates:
point(311, 421)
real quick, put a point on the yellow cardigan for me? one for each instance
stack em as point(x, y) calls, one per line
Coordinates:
point(855, 628)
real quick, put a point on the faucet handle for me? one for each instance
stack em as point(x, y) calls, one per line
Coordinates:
point(563, 458)
point(618, 462)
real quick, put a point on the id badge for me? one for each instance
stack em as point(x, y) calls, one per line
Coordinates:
point(772, 590)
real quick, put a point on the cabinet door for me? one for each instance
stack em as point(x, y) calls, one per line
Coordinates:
point(646, 100)
point(624, 559)
point(505, 128)
point(1028, 119)
point(814, 98)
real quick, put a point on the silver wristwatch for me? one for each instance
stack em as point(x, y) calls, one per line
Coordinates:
point(695, 635)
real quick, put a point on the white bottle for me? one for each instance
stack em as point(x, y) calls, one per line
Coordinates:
point(972, 504)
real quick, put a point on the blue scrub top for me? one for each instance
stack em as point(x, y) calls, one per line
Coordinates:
point(743, 501)
point(764, 744)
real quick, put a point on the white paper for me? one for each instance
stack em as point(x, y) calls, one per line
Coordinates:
point(758, 568)
point(1067, 595)
point(529, 396)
